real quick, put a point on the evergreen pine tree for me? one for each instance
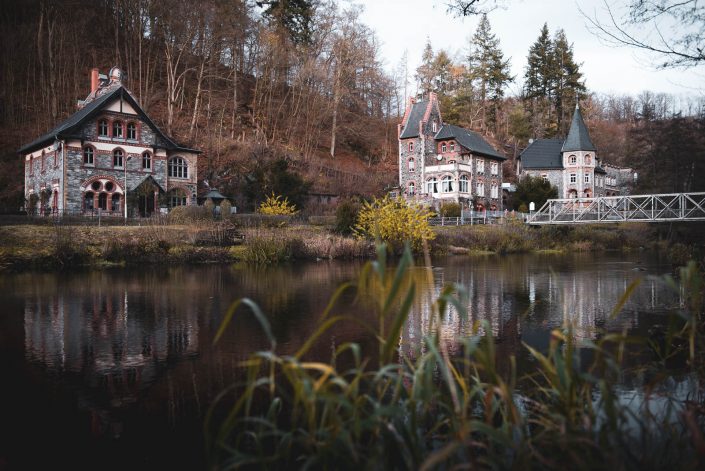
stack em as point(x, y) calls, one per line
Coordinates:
point(425, 72)
point(568, 86)
point(538, 83)
point(488, 71)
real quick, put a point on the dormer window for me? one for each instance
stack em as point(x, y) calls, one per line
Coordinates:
point(103, 128)
point(118, 130)
point(132, 131)
point(443, 147)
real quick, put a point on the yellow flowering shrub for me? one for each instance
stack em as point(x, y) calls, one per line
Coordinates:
point(276, 206)
point(395, 221)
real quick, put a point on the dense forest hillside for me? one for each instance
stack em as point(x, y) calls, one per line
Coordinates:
point(252, 82)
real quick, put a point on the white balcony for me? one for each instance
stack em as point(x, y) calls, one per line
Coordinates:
point(449, 168)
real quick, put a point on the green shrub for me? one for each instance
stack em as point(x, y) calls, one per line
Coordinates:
point(267, 250)
point(395, 221)
point(346, 216)
point(450, 210)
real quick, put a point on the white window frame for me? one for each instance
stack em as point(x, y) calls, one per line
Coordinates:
point(494, 193)
point(481, 189)
point(452, 146)
point(586, 178)
point(464, 184)
point(573, 178)
point(573, 160)
point(447, 184)
point(412, 164)
point(443, 147)
point(432, 186)
point(494, 166)
point(480, 166)
point(411, 189)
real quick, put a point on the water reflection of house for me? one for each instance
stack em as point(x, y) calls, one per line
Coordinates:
point(98, 342)
point(526, 299)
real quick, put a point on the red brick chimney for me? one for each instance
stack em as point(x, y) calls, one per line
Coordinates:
point(94, 80)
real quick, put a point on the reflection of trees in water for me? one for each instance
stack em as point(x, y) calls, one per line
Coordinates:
point(120, 336)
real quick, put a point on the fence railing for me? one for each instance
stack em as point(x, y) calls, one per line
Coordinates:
point(478, 217)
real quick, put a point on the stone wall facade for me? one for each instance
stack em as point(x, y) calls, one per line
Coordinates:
point(67, 182)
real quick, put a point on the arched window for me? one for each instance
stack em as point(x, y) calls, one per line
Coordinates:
point(494, 190)
point(587, 159)
point(447, 184)
point(412, 165)
point(573, 160)
point(411, 146)
point(132, 131)
point(88, 155)
point(443, 147)
point(88, 201)
point(103, 128)
point(464, 184)
point(481, 189)
point(115, 202)
point(146, 161)
point(118, 129)
point(452, 146)
point(431, 186)
point(412, 188)
point(178, 168)
point(118, 158)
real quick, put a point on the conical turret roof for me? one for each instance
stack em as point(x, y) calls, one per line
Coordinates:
point(578, 137)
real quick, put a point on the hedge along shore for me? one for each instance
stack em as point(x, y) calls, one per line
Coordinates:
point(57, 247)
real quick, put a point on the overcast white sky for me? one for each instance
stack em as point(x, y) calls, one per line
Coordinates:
point(405, 24)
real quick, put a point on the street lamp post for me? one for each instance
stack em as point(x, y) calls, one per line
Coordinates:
point(127, 159)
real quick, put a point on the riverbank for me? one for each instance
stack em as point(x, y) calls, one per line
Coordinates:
point(56, 247)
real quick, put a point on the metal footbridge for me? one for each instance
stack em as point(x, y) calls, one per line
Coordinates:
point(633, 208)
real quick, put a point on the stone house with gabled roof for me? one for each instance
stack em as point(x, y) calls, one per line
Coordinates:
point(108, 149)
point(571, 164)
point(441, 162)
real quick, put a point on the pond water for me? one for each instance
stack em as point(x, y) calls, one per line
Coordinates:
point(115, 368)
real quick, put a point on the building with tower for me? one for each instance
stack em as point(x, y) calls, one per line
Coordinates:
point(572, 165)
point(108, 150)
point(440, 162)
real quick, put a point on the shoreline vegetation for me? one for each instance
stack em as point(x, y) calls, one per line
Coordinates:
point(265, 240)
point(379, 409)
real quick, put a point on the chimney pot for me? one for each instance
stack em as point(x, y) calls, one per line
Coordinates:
point(94, 80)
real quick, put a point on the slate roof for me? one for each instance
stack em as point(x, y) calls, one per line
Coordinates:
point(578, 137)
point(599, 169)
point(543, 154)
point(471, 140)
point(412, 123)
point(73, 123)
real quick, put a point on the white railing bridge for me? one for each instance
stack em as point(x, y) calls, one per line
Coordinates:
point(633, 208)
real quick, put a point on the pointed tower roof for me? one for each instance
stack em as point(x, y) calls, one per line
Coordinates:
point(578, 137)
